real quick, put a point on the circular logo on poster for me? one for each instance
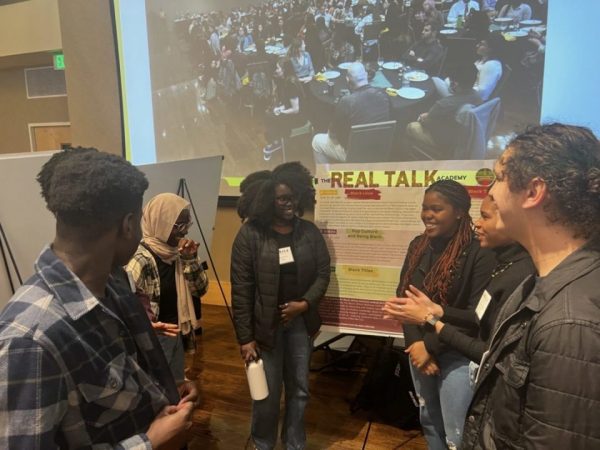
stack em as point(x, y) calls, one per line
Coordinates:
point(485, 177)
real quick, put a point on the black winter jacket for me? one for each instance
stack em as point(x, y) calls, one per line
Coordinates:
point(538, 388)
point(514, 265)
point(472, 275)
point(255, 279)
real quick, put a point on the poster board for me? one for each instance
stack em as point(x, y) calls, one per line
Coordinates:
point(29, 226)
point(368, 214)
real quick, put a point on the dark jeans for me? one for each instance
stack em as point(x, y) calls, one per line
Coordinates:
point(287, 364)
point(173, 349)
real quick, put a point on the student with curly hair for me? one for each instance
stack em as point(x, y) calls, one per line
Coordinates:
point(81, 365)
point(279, 272)
point(447, 263)
point(537, 386)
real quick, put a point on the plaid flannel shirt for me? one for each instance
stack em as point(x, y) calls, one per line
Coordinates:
point(76, 372)
point(144, 272)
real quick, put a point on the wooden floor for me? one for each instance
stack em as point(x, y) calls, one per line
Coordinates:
point(223, 419)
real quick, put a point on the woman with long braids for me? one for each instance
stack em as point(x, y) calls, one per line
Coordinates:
point(279, 272)
point(514, 265)
point(448, 265)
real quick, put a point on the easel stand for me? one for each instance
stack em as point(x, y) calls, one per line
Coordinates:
point(183, 191)
point(340, 358)
point(5, 249)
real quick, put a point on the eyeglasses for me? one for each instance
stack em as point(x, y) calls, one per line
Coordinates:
point(182, 226)
point(285, 199)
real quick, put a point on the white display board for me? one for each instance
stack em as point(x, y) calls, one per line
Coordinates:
point(29, 225)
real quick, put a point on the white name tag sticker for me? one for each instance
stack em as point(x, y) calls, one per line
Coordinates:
point(285, 256)
point(483, 304)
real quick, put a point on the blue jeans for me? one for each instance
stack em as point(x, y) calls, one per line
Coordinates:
point(444, 400)
point(173, 349)
point(287, 364)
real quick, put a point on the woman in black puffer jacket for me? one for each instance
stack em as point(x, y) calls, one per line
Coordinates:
point(280, 269)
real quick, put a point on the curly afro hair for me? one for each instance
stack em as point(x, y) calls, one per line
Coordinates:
point(45, 176)
point(567, 158)
point(257, 202)
point(84, 187)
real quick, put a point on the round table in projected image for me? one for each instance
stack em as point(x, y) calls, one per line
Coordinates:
point(404, 110)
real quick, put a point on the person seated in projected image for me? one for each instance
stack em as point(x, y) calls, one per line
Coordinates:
point(244, 39)
point(81, 365)
point(228, 80)
point(533, 59)
point(277, 29)
point(288, 112)
point(214, 41)
point(427, 52)
point(168, 276)
point(325, 14)
point(365, 104)
point(462, 8)
point(314, 45)
point(260, 33)
point(340, 49)
point(301, 60)
point(342, 13)
point(427, 13)
point(516, 10)
point(477, 25)
point(437, 131)
point(366, 19)
point(489, 65)
point(488, 6)
point(489, 68)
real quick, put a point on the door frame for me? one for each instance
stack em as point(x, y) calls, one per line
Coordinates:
point(31, 126)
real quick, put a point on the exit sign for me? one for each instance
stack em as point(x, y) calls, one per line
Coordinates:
point(59, 61)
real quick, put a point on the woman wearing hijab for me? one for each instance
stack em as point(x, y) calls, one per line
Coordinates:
point(168, 276)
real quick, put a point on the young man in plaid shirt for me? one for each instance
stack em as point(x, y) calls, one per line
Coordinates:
point(80, 365)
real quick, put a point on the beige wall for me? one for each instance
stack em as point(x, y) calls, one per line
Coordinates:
point(93, 103)
point(29, 27)
point(227, 224)
point(91, 74)
point(16, 111)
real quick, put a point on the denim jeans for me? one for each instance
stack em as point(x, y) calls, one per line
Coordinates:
point(287, 364)
point(444, 400)
point(173, 349)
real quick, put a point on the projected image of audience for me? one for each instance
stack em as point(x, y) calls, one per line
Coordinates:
point(257, 81)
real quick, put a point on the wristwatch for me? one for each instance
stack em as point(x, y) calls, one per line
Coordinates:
point(431, 319)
